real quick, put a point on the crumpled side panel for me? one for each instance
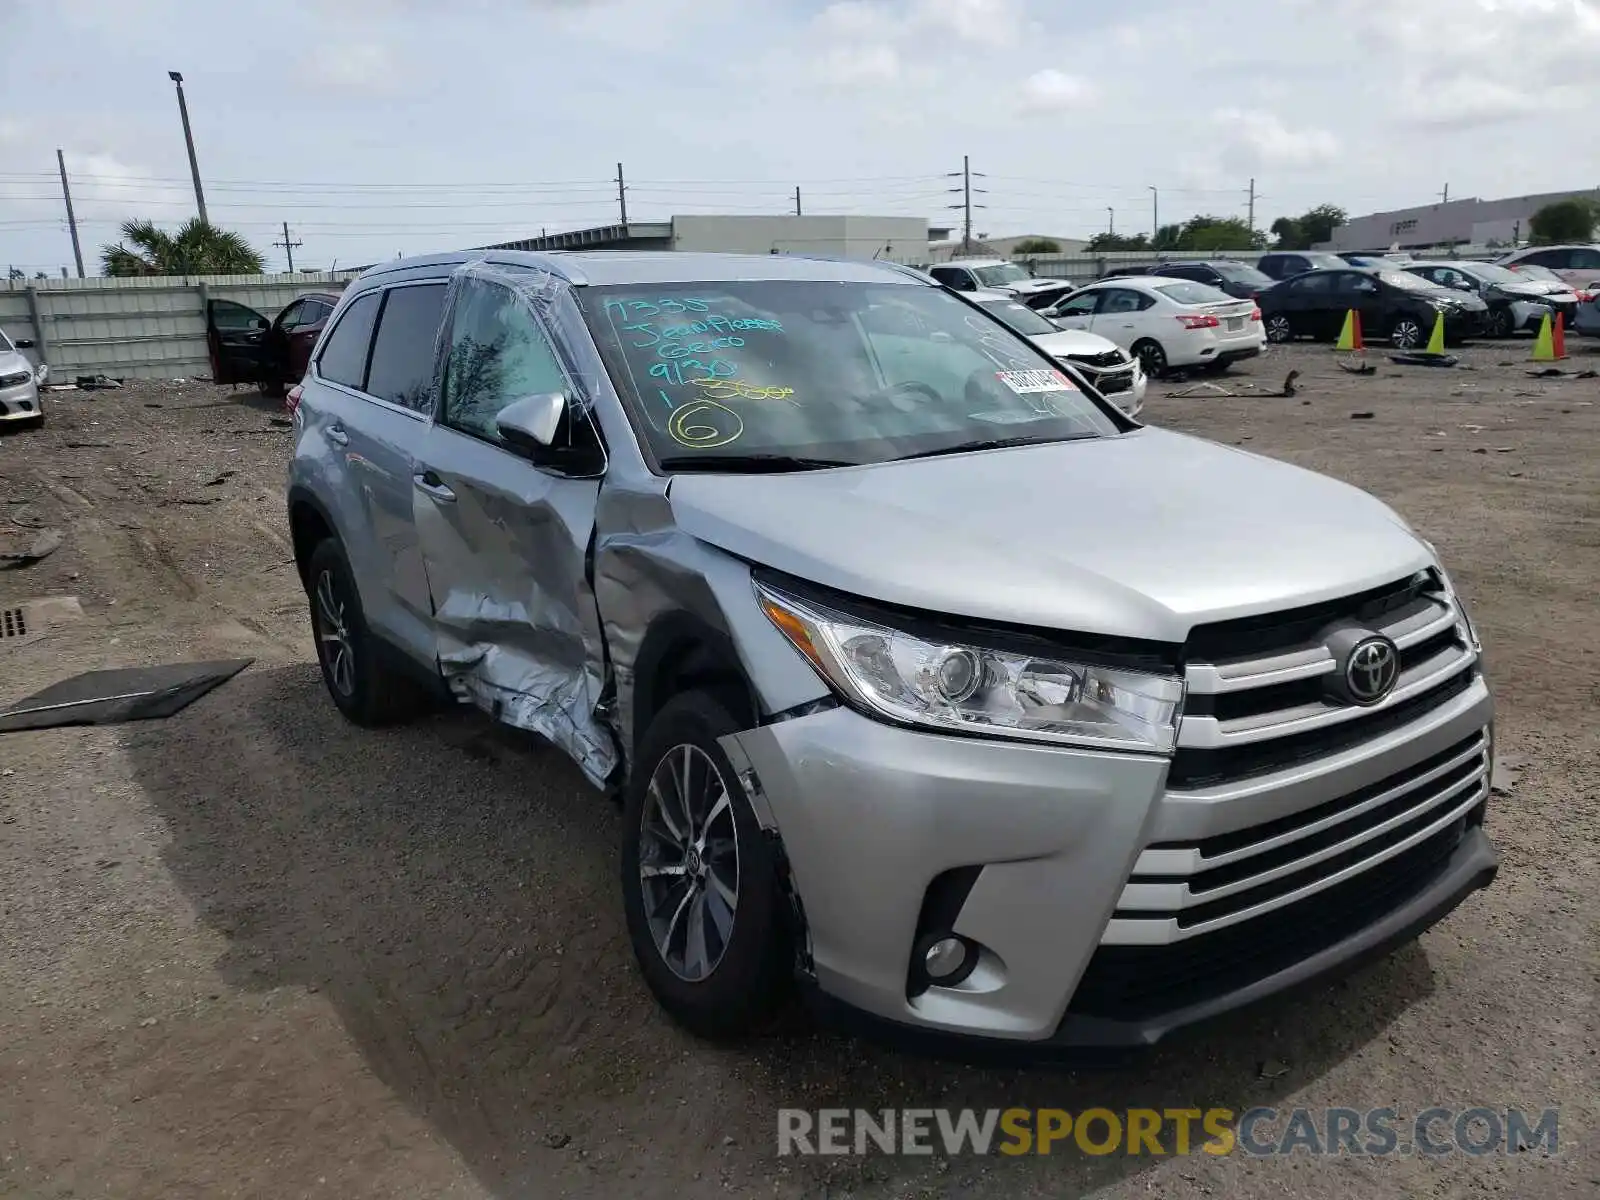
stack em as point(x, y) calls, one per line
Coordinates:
point(519, 631)
point(646, 567)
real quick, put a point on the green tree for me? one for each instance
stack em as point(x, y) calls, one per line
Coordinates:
point(1309, 228)
point(1038, 246)
point(1168, 237)
point(1119, 241)
point(1218, 233)
point(197, 248)
point(1564, 221)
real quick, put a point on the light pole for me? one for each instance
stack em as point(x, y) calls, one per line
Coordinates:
point(188, 138)
point(1155, 215)
point(1111, 219)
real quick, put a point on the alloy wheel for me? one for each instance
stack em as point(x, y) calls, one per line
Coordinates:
point(1407, 333)
point(1278, 329)
point(689, 862)
point(333, 635)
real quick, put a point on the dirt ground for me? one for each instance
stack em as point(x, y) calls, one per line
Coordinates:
point(254, 951)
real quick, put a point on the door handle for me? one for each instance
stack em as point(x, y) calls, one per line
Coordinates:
point(338, 436)
point(430, 483)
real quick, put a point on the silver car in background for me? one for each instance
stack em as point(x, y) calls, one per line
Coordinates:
point(20, 379)
point(927, 679)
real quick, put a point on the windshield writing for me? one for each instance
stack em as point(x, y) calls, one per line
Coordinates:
point(850, 372)
point(1019, 317)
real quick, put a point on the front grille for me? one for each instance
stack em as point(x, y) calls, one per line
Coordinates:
point(1099, 362)
point(1133, 982)
point(1259, 696)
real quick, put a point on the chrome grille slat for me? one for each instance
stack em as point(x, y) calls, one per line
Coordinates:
point(1174, 897)
point(1145, 931)
point(1191, 860)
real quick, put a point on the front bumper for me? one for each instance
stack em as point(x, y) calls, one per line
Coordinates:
point(20, 402)
point(871, 815)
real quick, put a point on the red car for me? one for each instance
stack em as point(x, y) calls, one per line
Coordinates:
point(245, 347)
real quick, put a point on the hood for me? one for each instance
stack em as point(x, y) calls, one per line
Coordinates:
point(1451, 298)
point(12, 361)
point(1072, 341)
point(1527, 291)
point(1025, 287)
point(1141, 535)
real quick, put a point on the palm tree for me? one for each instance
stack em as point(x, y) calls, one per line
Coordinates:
point(197, 248)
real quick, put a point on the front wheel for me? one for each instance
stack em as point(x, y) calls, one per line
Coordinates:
point(363, 686)
point(1407, 334)
point(1502, 323)
point(1279, 329)
point(1151, 356)
point(700, 887)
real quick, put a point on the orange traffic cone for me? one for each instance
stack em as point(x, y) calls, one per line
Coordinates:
point(1551, 344)
point(1350, 335)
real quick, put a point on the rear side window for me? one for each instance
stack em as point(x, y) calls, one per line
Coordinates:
point(344, 356)
point(402, 353)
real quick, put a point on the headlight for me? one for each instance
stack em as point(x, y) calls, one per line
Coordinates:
point(977, 690)
point(1464, 625)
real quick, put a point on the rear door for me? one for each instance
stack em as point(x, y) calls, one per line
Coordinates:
point(300, 339)
point(377, 408)
point(1353, 291)
point(956, 278)
point(506, 542)
point(237, 342)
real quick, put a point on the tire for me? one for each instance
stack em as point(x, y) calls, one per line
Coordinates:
point(1151, 356)
point(1407, 333)
point(354, 668)
point(743, 970)
point(1501, 324)
point(273, 389)
point(1279, 329)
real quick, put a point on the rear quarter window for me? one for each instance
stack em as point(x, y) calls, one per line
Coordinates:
point(402, 353)
point(344, 356)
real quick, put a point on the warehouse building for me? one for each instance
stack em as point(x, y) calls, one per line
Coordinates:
point(1469, 222)
point(896, 239)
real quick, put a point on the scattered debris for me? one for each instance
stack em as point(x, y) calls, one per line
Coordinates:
point(89, 445)
point(123, 694)
point(150, 405)
point(44, 543)
point(1215, 389)
point(1514, 474)
point(1272, 1069)
point(558, 1141)
point(1558, 373)
point(1480, 450)
point(1424, 359)
point(1504, 449)
point(280, 421)
point(1361, 368)
point(220, 478)
point(1507, 773)
point(1288, 385)
point(1361, 416)
point(1473, 428)
point(96, 383)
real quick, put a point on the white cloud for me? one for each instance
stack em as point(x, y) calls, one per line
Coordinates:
point(355, 66)
point(986, 22)
point(1261, 139)
point(1051, 91)
point(861, 64)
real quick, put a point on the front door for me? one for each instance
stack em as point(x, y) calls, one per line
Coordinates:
point(1076, 312)
point(237, 342)
point(506, 543)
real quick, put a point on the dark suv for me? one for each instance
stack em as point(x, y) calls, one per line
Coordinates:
point(1282, 264)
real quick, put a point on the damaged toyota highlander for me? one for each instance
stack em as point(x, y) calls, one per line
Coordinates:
point(931, 683)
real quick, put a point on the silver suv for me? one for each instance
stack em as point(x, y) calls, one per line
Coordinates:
point(927, 678)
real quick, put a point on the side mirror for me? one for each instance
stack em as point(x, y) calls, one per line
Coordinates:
point(23, 343)
point(261, 323)
point(531, 424)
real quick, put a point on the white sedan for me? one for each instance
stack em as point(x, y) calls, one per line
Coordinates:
point(1113, 372)
point(1166, 322)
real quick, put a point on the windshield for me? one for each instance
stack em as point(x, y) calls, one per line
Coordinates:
point(1019, 317)
point(1240, 273)
point(1494, 274)
point(5, 343)
point(999, 276)
point(1408, 281)
point(1535, 271)
point(1189, 292)
point(850, 373)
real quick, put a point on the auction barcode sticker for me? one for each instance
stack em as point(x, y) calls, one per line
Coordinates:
point(1025, 383)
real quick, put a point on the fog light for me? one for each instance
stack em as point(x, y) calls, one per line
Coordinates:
point(944, 959)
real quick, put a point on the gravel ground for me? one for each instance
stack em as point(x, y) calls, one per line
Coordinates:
point(253, 951)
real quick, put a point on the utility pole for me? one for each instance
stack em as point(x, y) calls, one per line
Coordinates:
point(1252, 221)
point(967, 191)
point(1155, 215)
point(72, 222)
point(797, 202)
point(288, 246)
point(1445, 195)
point(188, 140)
point(622, 196)
point(1111, 219)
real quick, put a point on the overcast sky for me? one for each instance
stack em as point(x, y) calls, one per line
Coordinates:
point(377, 126)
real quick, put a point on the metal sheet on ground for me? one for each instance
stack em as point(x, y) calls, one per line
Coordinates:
point(122, 694)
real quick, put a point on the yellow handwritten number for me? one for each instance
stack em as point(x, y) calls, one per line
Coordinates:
point(704, 425)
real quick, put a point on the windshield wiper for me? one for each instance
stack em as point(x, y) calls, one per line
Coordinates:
point(996, 444)
point(749, 464)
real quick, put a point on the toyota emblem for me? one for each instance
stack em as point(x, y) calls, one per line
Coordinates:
point(1372, 669)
